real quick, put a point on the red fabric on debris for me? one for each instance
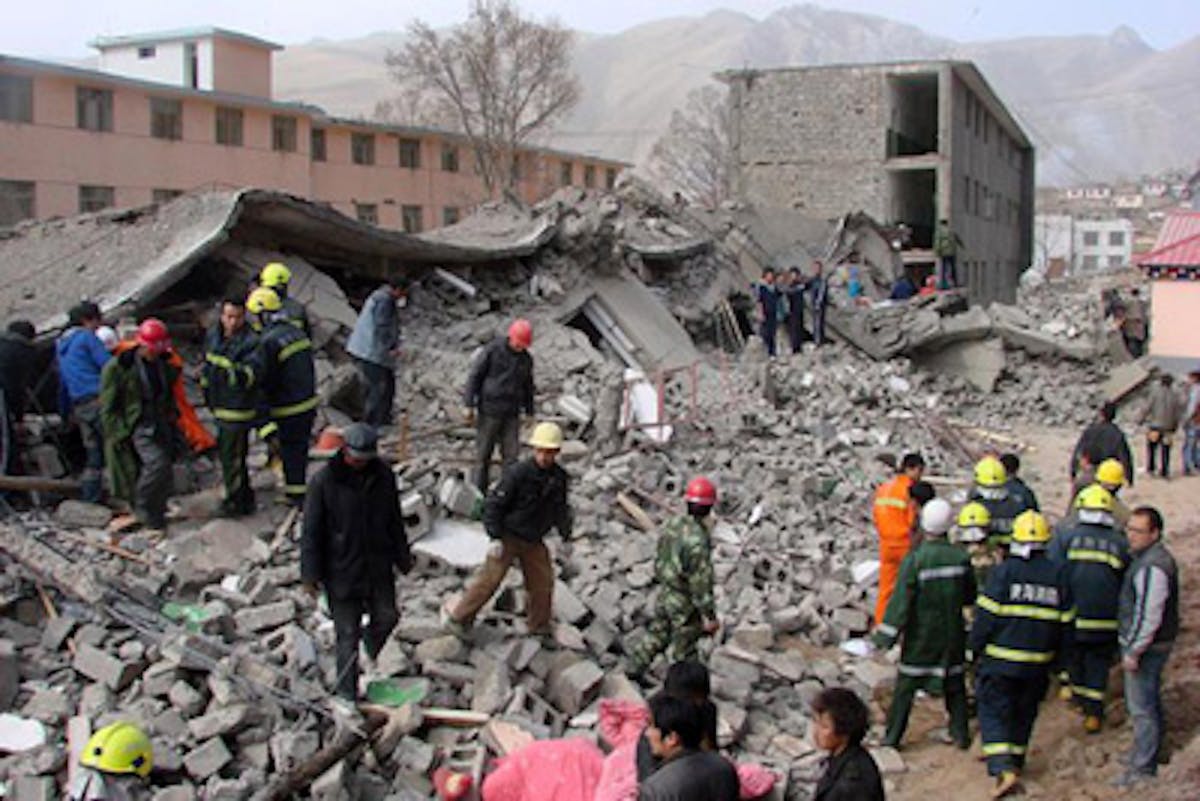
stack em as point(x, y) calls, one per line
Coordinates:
point(547, 770)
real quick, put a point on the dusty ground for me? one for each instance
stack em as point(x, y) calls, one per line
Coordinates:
point(1065, 763)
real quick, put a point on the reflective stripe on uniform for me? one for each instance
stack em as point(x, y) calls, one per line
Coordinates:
point(895, 503)
point(998, 749)
point(268, 430)
point(294, 409)
point(295, 489)
point(935, 573)
point(291, 350)
point(886, 630)
point(1088, 624)
point(218, 360)
point(1023, 610)
point(235, 415)
point(1019, 655)
point(1091, 555)
point(1087, 692)
point(922, 670)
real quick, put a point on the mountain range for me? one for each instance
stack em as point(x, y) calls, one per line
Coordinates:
point(1098, 108)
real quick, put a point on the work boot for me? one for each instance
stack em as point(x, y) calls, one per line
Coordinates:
point(1092, 724)
point(1006, 783)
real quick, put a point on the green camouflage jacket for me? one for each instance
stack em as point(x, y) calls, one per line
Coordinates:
point(683, 566)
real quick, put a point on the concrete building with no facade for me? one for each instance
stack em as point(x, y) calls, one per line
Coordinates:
point(908, 143)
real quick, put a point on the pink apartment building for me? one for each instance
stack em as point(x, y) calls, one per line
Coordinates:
point(174, 111)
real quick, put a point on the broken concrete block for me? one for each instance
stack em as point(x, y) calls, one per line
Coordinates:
point(400, 723)
point(567, 606)
point(54, 634)
point(206, 760)
point(10, 677)
point(459, 497)
point(105, 668)
point(226, 720)
point(416, 755)
point(575, 409)
point(755, 636)
point(33, 788)
point(980, 362)
point(1126, 379)
point(269, 616)
point(176, 792)
point(221, 547)
point(290, 748)
point(49, 706)
point(888, 760)
point(186, 699)
point(854, 621)
point(81, 514)
point(331, 785)
point(873, 674)
point(575, 687)
point(492, 687)
point(446, 648)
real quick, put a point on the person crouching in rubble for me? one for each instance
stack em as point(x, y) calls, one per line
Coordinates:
point(683, 572)
point(116, 761)
point(353, 540)
point(138, 415)
point(530, 499)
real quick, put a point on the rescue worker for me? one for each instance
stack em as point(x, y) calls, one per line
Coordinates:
point(794, 292)
point(926, 612)
point(1016, 485)
point(17, 358)
point(974, 526)
point(375, 346)
point(991, 489)
point(1110, 475)
point(230, 381)
point(530, 499)
point(138, 414)
point(1103, 440)
point(499, 389)
point(818, 291)
point(1162, 416)
point(289, 387)
point(116, 761)
point(1095, 557)
point(895, 514)
point(767, 295)
point(683, 572)
point(81, 357)
point(278, 277)
point(353, 542)
point(1022, 622)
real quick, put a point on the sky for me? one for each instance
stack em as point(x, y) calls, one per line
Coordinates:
point(62, 28)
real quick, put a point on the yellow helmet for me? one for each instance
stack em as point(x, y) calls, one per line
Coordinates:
point(119, 748)
point(1094, 498)
point(547, 436)
point(263, 300)
point(1030, 526)
point(974, 515)
point(275, 274)
point(989, 472)
point(1111, 472)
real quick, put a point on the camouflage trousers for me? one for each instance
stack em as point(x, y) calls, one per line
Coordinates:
point(676, 625)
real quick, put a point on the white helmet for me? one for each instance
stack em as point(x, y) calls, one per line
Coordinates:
point(936, 517)
point(107, 336)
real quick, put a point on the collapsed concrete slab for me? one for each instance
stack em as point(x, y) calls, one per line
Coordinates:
point(978, 361)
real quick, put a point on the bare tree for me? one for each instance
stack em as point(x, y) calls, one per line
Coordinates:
point(692, 157)
point(415, 106)
point(507, 78)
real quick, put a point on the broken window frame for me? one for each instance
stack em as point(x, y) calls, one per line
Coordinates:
point(229, 126)
point(94, 197)
point(412, 219)
point(166, 118)
point(93, 109)
point(16, 98)
point(18, 201)
point(362, 148)
point(284, 133)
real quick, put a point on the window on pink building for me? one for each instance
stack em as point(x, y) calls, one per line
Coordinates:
point(566, 172)
point(449, 158)
point(362, 148)
point(229, 126)
point(16, 202)
point(164, 195)
point(450, 215)
point(367, 212)
point(166, 118)
point(95, 198)
point(610, 178)
point(411, 219)
point(283, 133)
point(93, 109)
point(317, 144)
point(16, 98)
point(410, 154)
point(589, 176)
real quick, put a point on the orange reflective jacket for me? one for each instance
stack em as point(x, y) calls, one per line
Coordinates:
point(188, 422)
point(894, 513)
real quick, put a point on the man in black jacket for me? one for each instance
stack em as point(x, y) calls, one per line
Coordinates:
point(499, 388)
point(1103, 440)
point(530, 499)
point(687, 774)
point(353, 540)
point(16, 364)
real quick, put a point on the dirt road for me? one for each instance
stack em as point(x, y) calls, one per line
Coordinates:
point(1065, 763)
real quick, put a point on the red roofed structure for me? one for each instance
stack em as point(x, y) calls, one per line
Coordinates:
point(1174, 267)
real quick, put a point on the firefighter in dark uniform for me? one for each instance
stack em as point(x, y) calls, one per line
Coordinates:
point(289, 386)
point(231, 389)
point(277, 277)
point(1095, 557)
point(1022, 623)
point(991, 489)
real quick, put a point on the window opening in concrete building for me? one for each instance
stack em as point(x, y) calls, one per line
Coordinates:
point(367, 212)
point(1115, 261)
point(912, 194)
point(95, 198)
point(166, 118)
point(565, 173)
point(362, 148)
point(191, 66)
point(16, 202)
point(449, 158)
point(589, 176)
point(1091, 262)
point(410, 153)
point(147, 51)
point(1091, 238)
point(913, 129)
point(317, 144)
point(411, 219)
point(283, 133)
point(450, 215)
point(229, 126)
point(1116, 238)
point(93, 109)
point(164, 195)
point(16, 98)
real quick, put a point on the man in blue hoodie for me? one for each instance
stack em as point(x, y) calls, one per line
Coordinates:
point(81, 357)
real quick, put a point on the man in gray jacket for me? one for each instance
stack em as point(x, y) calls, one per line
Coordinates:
point(1162, 416)
point(1148, 622)
point(687, 773)
point(499, 389)
point(375, 344)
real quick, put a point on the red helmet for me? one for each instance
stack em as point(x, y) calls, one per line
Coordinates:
point(152, 333)
point(520, 334)
point(701, 491)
